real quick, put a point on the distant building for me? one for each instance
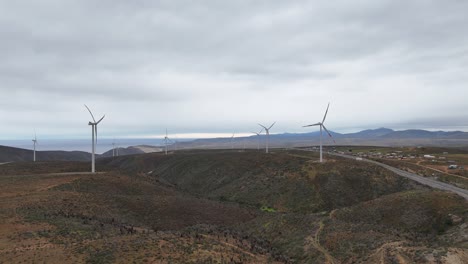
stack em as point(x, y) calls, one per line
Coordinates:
point(429, 157)
point(453, 167)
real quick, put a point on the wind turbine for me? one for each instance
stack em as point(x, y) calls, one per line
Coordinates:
point(165, 141)
point(34, 143)
point(113, 148)
point(258, 137)
point(232, 141)
point(94, 137)
point(322, 126)
point(267, 130)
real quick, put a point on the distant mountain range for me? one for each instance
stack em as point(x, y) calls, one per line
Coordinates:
point(385, 133)
point(376, 137)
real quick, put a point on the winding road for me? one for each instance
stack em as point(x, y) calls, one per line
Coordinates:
point(426, 181)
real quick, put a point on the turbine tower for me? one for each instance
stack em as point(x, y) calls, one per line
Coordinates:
point(267, 130)
point(113, 148)
point(322, 126)
point(165, 141)
point(94, 137)
point(232, 141)
point(34, 143)
point(258, 138)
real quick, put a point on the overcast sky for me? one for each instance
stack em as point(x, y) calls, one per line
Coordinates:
point(223, 66)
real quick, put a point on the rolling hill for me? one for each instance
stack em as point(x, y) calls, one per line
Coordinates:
point(10, 154)
point(218, 206)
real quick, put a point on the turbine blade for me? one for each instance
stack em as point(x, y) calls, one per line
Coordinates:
point(316, 124)
point(90, 113)
point(326, 112)
point(329, 134)
point(272, 125)
point(100, 119)
point(95, 131)
point(260, 131)
point(263, 127)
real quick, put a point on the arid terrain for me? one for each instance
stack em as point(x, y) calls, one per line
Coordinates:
point(225, 207)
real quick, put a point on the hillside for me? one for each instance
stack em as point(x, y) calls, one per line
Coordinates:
point(122, 152)
point(10, 154)
point(225, 207)
point(285, 181)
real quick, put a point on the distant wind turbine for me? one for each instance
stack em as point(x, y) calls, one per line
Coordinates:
point(232, 141)
point(267, 130)
point(176, 142)
point(113, 148)
point(258, 138)
point(322, 126)
point(94, 137)
point(166, 139)
point(34, 143)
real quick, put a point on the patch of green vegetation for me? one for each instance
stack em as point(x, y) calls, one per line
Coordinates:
point(267, 209)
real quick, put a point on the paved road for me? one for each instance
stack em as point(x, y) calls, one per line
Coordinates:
point(426, 181)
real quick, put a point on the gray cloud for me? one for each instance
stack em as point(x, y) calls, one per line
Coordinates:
point(214, 66)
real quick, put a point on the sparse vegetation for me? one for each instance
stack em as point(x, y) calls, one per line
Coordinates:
point(215, 206)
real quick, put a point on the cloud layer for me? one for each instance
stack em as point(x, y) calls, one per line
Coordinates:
point(223, 66)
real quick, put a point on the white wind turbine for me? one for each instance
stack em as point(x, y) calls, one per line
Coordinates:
point(232, 141)
point(34, 143)
point(176, 142)
point(113, 148)
point(94, 137)
point(267, 130)
point(166, 139)
point(258, 138)
point(322, 126)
